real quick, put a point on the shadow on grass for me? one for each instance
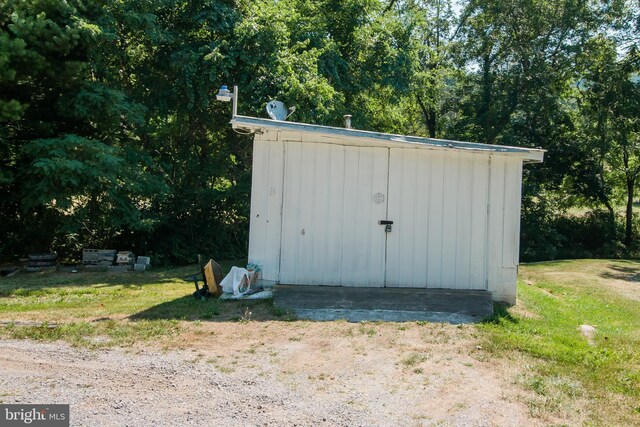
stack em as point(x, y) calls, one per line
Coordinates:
point(550, 263)
point(30, 283)
point(213, 310)
point(629, 272)
point(500, 315)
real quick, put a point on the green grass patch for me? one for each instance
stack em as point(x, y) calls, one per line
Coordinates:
point(64, 296)
point(93, 308)
point(414, 359)
point(95, 334)
point(554, 299)
point(160, 294)
point(157, 294)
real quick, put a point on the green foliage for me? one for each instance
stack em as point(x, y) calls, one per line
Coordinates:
point(591, 235)
point(111, 135)
point(608, 103)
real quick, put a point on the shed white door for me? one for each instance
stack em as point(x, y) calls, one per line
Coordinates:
point(438, 204)
point(333, 198)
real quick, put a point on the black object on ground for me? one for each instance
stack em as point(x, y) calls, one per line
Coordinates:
point(210, 275)
point(8, 271)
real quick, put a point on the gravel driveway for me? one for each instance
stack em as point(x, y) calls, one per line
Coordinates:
point(278, 376)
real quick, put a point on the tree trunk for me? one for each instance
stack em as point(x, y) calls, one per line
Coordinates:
point(612, 212)
point(429, 115)
point(628, 230)
point(483, 117)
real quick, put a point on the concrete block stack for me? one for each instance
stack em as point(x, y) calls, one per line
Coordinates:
point(143, 263)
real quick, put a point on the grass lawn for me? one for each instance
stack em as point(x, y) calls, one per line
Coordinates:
point(98, 309)
point(598, 379)
point(565, 375)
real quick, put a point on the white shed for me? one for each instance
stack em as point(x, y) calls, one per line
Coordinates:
point(345, 207)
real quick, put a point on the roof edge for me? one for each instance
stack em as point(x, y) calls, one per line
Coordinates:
point(529, 155)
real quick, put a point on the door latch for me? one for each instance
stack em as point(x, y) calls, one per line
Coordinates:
point(387, 225)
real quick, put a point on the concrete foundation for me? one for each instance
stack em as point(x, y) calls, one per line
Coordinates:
point(383, 304)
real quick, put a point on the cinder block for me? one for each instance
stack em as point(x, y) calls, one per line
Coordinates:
point(141, 267)
point(144, 260)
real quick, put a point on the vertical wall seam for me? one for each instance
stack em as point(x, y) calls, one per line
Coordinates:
point(266, 212)
point(442, 229)
point(429, 156)
point(314, 209)
point(456, 222)
point(414, 222)
point(505, 173)
point(386, 217)
point(327, 207)
point(282, 191)
point(470, 222)
point(488, 226)
point(297, 229)
point(342, 207)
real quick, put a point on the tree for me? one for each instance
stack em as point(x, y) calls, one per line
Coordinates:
point(434, 36)
point(609, 98)
point(111, 135)
point(69, 174)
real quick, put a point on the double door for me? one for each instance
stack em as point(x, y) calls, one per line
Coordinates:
point(374, 217)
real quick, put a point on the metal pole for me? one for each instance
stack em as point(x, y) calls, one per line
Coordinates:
point(235, 102)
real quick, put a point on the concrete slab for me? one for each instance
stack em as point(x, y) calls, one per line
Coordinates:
point(383, 304)
point(266, 294)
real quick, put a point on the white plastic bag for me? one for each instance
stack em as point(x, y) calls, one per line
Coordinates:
point(236, 282)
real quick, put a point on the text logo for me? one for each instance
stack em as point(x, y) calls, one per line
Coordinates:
point(34, 415)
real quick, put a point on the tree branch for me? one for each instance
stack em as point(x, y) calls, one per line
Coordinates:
point(389, 6)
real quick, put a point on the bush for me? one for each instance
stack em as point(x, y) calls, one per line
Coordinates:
point(592, 235)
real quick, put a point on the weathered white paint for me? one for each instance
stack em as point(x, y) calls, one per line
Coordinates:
point(266, 204)
point(330, 234)
point(504, 227)
point(315, 207)
point(427, 248)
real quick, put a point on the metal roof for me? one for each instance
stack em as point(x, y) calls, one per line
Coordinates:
point(345, 136)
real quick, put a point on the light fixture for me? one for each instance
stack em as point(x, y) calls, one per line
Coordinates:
point(226, 96)
point(347, 121)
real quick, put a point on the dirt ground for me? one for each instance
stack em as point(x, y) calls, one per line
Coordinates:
point(274, 374)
